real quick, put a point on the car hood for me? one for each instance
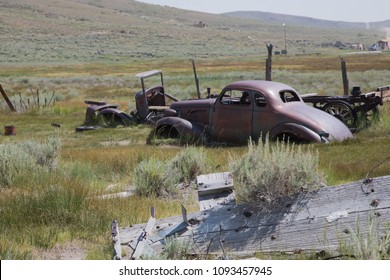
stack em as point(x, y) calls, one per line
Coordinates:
point(193, 103)
point(318, 121)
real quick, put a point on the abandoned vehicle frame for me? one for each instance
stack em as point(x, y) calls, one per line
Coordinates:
point(250, 110)
point(150, 104)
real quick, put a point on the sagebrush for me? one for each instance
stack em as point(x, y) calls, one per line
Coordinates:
point(268, 171)
point(26, 159)
point(157, 177)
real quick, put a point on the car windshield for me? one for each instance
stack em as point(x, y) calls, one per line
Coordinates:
point(289, 96)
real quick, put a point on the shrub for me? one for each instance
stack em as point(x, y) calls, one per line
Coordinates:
point(270, 171)
point(188, 164)
point(45, 154)
point(149, 177)
point(25, 158)
point(369, 246)
point(174, 249)
point(155, 177)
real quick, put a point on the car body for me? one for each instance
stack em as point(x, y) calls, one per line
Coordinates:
point(373, 47)
point(251, 110)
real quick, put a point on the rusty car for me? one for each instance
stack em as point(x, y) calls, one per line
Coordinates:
point(150, 103)
point(250, 110)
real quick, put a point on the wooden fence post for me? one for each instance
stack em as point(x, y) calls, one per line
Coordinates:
point(268, 64)
point(345, 76)
point(7, 99)
point(196, 79)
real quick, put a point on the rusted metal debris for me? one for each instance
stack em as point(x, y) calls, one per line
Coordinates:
point(316, 221)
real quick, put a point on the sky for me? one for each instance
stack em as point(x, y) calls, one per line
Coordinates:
point(337, 10)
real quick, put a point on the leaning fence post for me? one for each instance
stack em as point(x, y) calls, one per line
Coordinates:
point(7, 99)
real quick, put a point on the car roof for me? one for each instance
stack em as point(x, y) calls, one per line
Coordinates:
point(262, 86)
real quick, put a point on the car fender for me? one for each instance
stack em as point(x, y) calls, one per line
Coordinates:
point(182, 126)
point(300, 131)
point(125, 118)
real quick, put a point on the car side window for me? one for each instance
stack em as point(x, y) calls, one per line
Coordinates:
point(236, 97)
point(260, 100)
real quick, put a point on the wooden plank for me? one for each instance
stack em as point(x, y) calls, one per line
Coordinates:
point(116, 241)
point(314, 221)
point(309, 236)
point(172, 229)
point(214, 183)
point(215, 189)
point(213, 200)
point(142, 247)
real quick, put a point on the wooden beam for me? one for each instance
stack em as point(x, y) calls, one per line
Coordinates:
point(310, 222)
point(116, 241)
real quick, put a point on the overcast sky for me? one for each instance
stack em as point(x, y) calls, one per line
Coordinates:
point(339, 10)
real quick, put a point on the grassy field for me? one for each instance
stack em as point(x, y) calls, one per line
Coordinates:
point(44, 209)
point(71, 51)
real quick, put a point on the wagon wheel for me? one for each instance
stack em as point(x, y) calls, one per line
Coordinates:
point(343, 111)
point(366, 118)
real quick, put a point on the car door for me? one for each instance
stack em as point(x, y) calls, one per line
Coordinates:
point(264, 118)
point(232, 116)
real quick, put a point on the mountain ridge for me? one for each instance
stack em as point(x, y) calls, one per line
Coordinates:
point(304, 20)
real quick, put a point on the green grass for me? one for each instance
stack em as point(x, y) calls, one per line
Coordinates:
point(56, 206)
point(41, 207)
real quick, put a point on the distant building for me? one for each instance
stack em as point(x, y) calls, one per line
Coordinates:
point(199, 24)
point(354, 46)
point(357, 46)
point(384, 44)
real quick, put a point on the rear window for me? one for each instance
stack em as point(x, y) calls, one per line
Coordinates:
point(289, 96)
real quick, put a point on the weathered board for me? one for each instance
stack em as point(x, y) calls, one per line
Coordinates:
point(215, 189)
point(314, 221)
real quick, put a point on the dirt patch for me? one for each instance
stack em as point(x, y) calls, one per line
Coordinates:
point(115, 143)
point(72, 250)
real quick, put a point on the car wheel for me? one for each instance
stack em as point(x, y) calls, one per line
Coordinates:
point(166, 131)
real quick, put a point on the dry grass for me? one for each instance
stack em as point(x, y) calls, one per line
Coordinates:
point(103, 161)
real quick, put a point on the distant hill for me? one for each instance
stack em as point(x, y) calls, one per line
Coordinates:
point(275, 18)
point(95, 31)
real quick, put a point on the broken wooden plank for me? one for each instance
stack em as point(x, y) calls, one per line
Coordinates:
point(116, 241)
point(313, 221)
point(212, 200)
point(215, 189)
point(142, 247)
point(172, 229)
point(214, 183)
